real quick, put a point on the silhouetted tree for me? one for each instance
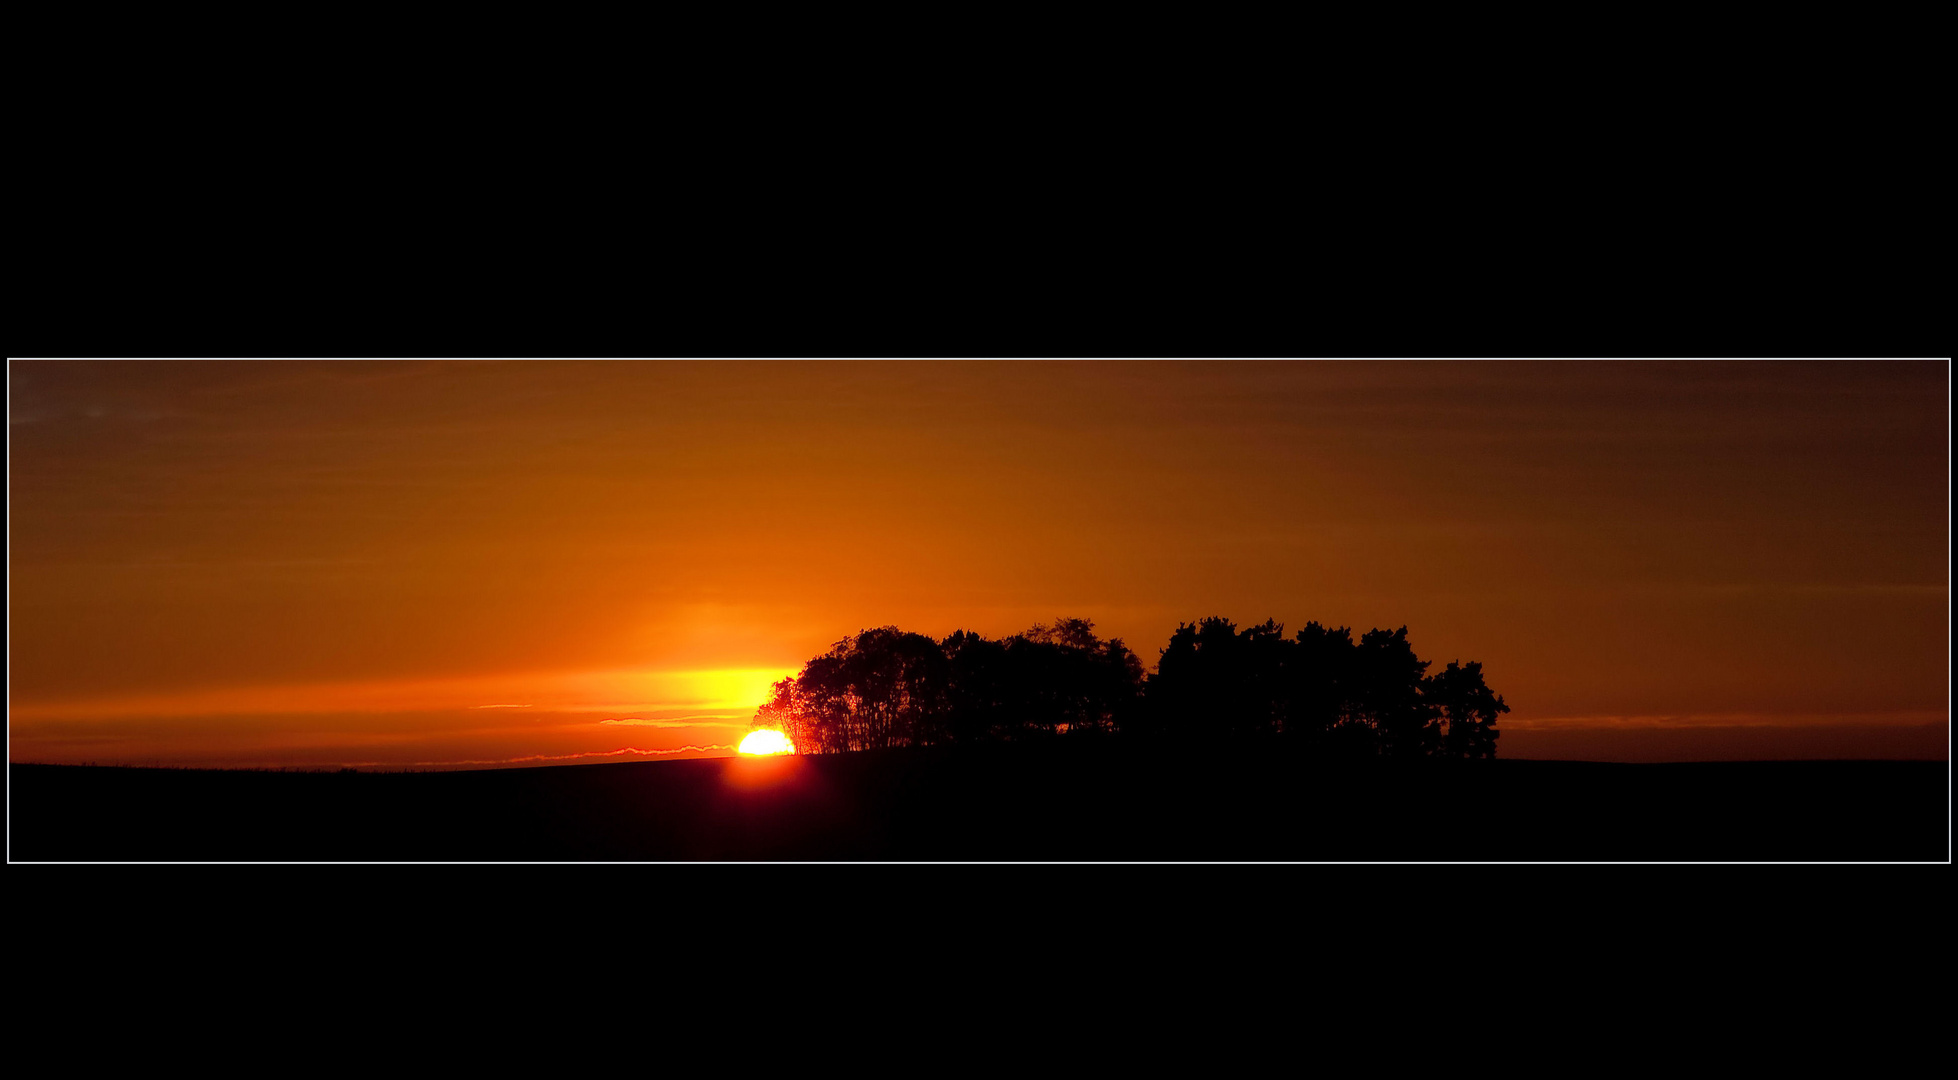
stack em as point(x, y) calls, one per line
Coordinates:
point(977, 691)
point(1071, 633)
point(882, 688)
point(1318, 681)
point(1212, 679)
point(1122, 681)
point(1063, 680)
point(1469, 707)
point(788, 712)
point(1384, 692)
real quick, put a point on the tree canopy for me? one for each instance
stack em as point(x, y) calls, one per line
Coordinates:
point(1371, 697)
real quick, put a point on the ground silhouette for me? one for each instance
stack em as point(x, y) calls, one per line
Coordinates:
point(1052, 800)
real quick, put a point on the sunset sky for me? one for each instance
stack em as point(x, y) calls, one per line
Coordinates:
point(433, 563)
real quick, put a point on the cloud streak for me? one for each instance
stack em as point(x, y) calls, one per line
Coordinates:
point(622, 751)
point(736, 691)
point(1901, 718)
point(678, 721)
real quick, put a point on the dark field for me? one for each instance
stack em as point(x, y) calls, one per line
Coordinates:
point(1085, 802)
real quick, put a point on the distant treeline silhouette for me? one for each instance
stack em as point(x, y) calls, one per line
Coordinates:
point(1371, 697)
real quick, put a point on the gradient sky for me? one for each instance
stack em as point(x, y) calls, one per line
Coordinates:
point(437, 562)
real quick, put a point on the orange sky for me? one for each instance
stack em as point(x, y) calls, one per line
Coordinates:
point(440, 562)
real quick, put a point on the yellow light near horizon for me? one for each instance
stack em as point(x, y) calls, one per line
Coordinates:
point(766, 741)
point(744, 688)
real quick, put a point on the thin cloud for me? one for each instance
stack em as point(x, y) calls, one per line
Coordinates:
point(1901, 718)
point(621, 751)
point(624, 692)
point(671, 721)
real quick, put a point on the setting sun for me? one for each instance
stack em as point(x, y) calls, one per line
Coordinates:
point(766, 741)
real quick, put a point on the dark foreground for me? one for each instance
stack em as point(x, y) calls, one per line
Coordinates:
point(1059, 802)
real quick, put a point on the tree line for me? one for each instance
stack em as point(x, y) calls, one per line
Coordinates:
point(1367, 697)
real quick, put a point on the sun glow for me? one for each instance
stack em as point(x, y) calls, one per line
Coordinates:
point(766, 741)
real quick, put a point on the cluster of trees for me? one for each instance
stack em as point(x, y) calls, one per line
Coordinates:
point(885, 687)
point(1371, 697)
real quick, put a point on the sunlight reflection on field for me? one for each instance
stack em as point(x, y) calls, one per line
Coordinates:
point(752, 773)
